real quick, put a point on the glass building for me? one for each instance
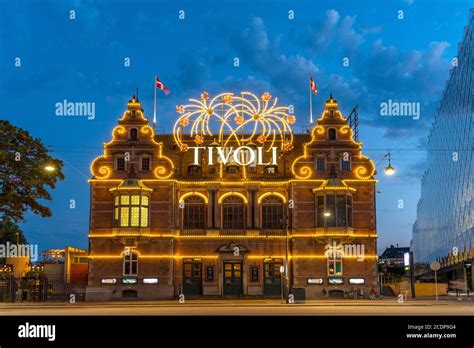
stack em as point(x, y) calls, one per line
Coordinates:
point(444, 228)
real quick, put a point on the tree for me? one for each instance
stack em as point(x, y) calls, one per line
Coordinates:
point(10, 232)
point(24, 174)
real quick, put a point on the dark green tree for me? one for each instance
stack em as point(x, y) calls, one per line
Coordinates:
point(10, 232)
point(26, 169)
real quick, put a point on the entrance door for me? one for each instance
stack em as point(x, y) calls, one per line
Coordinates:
point(272, 277)
point(233, 277)
point(192, 277)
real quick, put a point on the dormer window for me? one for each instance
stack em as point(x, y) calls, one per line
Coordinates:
point(346, 165)
point(145, 165)
point(331, 134)
point(133, 134)
point(120, 164)
point(320, 164)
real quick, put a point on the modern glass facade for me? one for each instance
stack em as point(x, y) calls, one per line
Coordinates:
point(444, 227)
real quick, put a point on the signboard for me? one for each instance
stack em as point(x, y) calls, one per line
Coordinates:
point(435, 266)
point(150, 280)
point(315, 280)
point(406, 259)
point(356, 281)
point(109, 281)
point(336, 281)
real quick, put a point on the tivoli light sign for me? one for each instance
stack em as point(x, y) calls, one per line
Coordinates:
point(242, 155)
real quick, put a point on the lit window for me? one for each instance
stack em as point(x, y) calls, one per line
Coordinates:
point(334, 263)
point(131, 211)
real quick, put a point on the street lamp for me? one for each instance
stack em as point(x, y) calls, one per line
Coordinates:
point(389, 170)
point(49, 168)
point(327, 214)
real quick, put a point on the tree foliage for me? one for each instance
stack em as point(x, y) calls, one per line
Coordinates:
point(23, 178)
point(8, 233)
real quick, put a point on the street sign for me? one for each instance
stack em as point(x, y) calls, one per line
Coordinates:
point(435, 266)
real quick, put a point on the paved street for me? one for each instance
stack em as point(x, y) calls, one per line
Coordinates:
point(245, 307)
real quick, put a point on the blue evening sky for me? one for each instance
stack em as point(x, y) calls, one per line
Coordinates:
point(82, 60)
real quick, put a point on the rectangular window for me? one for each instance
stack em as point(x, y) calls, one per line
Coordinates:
point(131, 211)
point(334, 265)
point(120, 164)
point(125, 200)
point(341, 210)
point(146, 163)
point(144, 217)
point(124, 216)
point(320, 164)
point(330, 211)
point(135, 200)
point(349, 211)
point(345, 165)
point(320, 211)
point(135, 216)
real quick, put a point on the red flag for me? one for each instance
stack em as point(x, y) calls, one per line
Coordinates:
point(313, 85)
point(160, 85)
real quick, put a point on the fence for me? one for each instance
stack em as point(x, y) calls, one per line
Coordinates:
point(39, 288)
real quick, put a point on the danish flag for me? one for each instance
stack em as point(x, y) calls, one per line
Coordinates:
point(313, 85)
point(160, 85)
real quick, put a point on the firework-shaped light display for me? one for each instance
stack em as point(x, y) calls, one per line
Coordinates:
point(237, 120)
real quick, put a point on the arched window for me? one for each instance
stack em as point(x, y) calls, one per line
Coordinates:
point(194, 213)
point(131, 210)
point(233, 213)
point(130, 263)
point(133, 134)
point(272, 213)
point(331, 134)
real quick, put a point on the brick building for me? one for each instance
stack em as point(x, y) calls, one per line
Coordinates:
point(197, 215)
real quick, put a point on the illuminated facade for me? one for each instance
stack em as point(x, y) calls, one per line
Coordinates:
point(228, 200)
point(444, 227)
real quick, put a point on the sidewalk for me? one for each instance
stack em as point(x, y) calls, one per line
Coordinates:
point(392, 301)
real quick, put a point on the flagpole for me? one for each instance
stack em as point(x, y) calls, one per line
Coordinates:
point(310, 109)
point(154, 107)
